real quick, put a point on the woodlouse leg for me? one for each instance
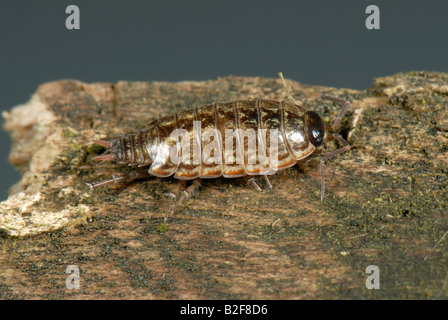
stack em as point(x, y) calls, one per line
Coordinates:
point(346, 105)
point(119, 179)
point(179, 185)
point(185, 195)
point(329, 155)
point(267, 181)
point(254, 182)
point(173, 195)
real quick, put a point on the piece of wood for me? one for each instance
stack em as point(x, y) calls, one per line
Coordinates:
point(385, 202)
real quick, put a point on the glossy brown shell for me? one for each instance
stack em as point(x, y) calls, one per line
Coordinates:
point(150, 147)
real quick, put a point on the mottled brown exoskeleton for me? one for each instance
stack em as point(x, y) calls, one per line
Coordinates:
point(298, 133)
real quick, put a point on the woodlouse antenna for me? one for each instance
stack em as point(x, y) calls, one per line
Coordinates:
point(337, 136)
point(329, 155)
point(286, 87)
point(346, 105)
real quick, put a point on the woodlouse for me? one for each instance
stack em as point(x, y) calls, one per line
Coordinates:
point(294, 131)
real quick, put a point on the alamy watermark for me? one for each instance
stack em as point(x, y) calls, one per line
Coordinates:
point(73, 20)
point(373, 280)
point(73, 280)
point(373, 20)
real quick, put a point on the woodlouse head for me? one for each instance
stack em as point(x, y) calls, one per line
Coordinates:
point(315, 128)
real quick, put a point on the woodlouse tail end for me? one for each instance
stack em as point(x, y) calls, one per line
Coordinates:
point(104, 157)
point(105, 144)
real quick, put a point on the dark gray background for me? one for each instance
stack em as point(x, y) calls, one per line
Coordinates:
point(313, 42)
